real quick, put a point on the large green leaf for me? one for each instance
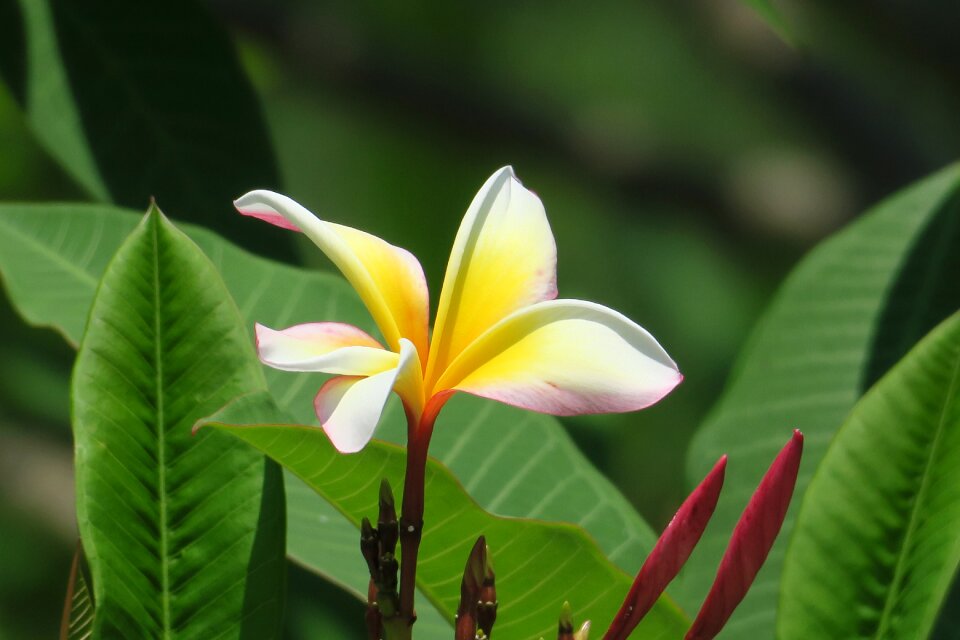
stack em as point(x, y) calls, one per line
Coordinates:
point(52, 255)
point(511, 462)
point(184, 535)
point(854, 306)
point(877, 540)
point(38, 79)
point(130, 98)
point(539, 565)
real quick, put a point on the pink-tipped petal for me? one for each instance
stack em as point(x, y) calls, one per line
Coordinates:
point(349, 408)
point(264, 212)
point(751, 541)
point(327, 347)
point(670, 553)
point(565, 357)
point(503, 258)
point(388, 279)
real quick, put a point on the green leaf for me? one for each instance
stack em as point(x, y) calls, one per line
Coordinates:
point(130, 98)
point(184, 535)
point(78, 608)
point(852, 307)
point(512, 462)
point(52, 255)
point(37, 77)
point(875, 548)
point(539, 565)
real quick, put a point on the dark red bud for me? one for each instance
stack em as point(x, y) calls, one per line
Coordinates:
point(751, 541)
point(670, 553)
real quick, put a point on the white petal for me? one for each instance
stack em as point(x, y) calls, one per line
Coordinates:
point(349, 408)
point(328, 347)
point(388, 279)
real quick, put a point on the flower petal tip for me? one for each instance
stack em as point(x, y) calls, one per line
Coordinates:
point(677, 381)
point(253, 204)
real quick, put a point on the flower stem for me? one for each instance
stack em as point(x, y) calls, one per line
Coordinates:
point(419, 431)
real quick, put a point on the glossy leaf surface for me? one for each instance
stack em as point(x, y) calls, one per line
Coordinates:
point(852, 308)
point(539, 565)
point(184, 535)
point(876, 545)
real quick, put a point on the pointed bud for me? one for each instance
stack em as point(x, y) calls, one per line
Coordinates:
point(476, 568)
point(387, 523)
point(751, 541)
point(669, 554)
point(565, 623)
point(470, 585)
point(584, 633)
point(386, 497)
point(370, 547)
point(487, 597)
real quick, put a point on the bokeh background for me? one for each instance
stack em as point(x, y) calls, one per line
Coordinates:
point(688, 153)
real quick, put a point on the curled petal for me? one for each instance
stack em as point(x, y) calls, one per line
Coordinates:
point(349, 408)
point(389, 279)
point(328, 347)
point(565, 357)
point(503, 259)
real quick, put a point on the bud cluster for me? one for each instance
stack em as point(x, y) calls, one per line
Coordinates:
point(378, 546)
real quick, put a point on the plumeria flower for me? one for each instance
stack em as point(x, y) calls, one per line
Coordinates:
point(499, 332)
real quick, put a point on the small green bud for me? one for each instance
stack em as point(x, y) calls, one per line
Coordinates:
point(565, 623)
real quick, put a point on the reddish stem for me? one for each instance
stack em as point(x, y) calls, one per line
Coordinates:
point(374, 619)
point(411, 511)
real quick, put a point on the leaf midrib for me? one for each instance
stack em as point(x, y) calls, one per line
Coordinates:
point(885, 617)
point(161, 437)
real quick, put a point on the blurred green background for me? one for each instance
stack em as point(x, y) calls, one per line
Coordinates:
point(685, 153)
